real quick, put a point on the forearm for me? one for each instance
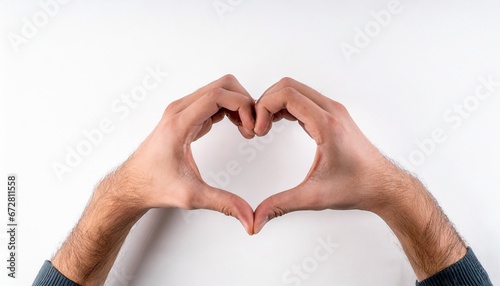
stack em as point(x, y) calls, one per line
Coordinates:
point(90, 250)
point(429, 240)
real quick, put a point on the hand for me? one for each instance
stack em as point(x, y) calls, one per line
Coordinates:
point(348, 172)
point(162, 169)
point(346, 165)
point(160, 173)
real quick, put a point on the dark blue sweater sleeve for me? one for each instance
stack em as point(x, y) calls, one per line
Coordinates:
point(49, 275)
point(466, 272)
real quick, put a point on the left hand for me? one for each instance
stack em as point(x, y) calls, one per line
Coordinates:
point(162, 171)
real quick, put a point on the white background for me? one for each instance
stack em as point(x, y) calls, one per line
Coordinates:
point(64, 78)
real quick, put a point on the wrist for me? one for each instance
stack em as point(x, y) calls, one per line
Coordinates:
point(429, 240)
point(123, 190)
point(95, 241)
point(388, 188)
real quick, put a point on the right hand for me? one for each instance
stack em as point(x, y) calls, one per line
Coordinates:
point(347, 172)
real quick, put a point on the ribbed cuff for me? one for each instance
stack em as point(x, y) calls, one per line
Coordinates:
point(466, 272)
point(49, 275)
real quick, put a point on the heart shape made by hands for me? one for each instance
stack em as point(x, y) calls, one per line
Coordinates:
point(333, 180)
point(339, 177)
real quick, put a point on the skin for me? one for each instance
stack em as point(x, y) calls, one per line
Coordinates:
point(160, 173)
point(348, 173)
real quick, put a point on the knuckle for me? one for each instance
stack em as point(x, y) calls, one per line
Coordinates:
point(226, 79)
point(290, 92)
point(338, 107)
point(214, 92)
point(286, 81)
point(334, 123)
point(249, 101)
point(277, 212)
point(226, 210)
point(172, 108)
point(274, 209)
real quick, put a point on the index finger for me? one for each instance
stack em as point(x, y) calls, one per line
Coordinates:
point(213, 101)
point(316, 97)
point(228, 82)
point(300, 106)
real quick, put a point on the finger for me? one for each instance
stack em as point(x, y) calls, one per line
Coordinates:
point(316, 97)
point(297, 105)
point(219, 116)
point(213, 101)
point(234, 117)
point(282, 203)
point(269, 88)
point(283, 114)
point(228, 82)
point(207, 126)
point(228, 204)
point(245, 133)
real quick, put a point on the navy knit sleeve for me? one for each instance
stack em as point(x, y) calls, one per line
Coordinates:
point(466, 272)
point(49, 275)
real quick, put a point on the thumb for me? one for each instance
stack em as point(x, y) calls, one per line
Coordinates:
point(228, 204)
point(279, 204)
